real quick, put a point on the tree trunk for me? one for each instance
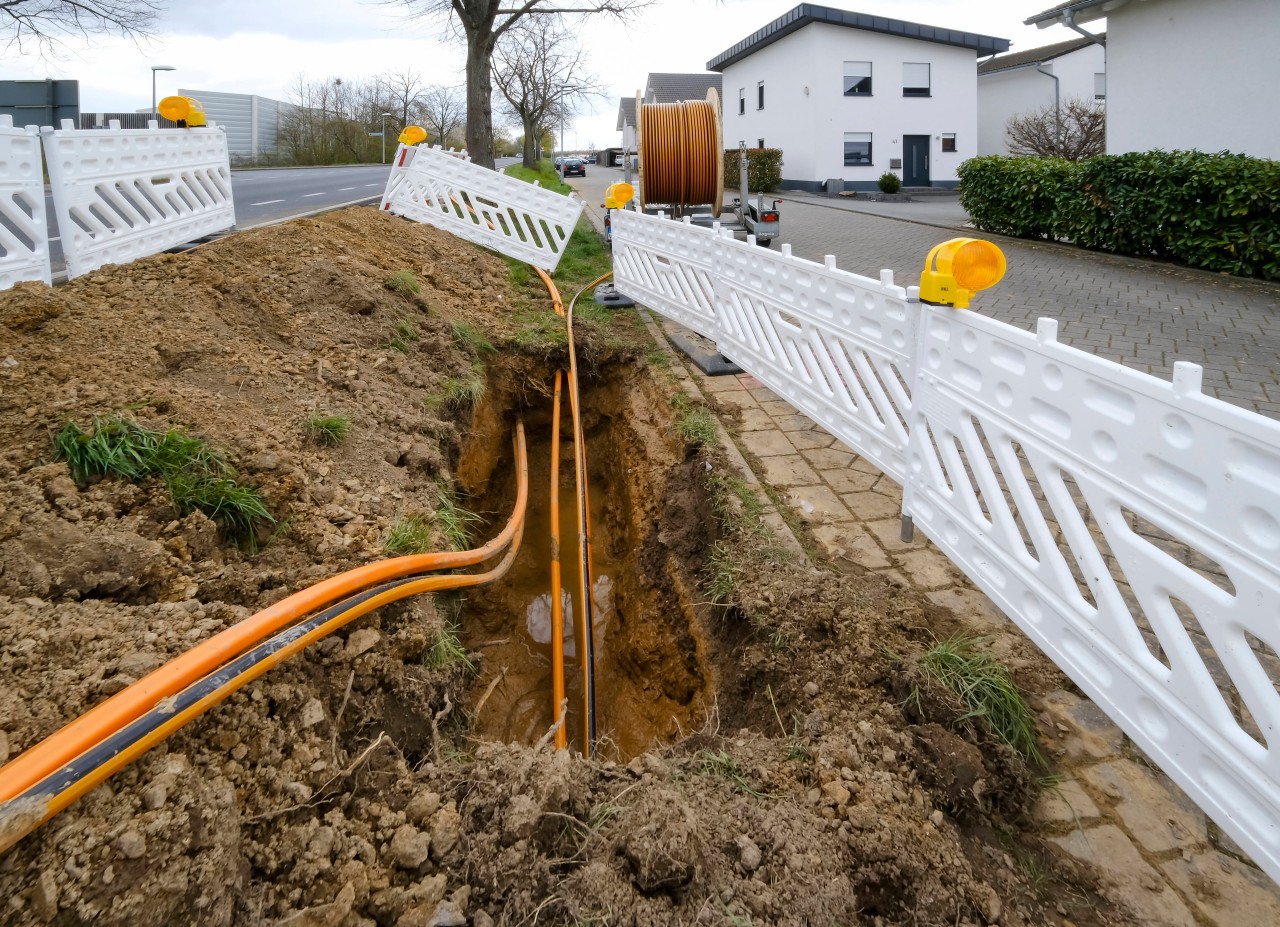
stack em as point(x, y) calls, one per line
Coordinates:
point(532, 146)
point(479, 99)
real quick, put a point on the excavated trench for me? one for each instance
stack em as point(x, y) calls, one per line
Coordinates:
point(649, 533)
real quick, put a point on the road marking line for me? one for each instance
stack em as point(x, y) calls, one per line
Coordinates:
point(345, 189)
point(373, 185)
point(305, 195)
point(266, 202)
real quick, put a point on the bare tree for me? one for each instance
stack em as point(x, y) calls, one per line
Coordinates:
point(443, 113)
point(538, 67)
point(483, 23)
point(49, 23)
point(1075, 130)
point(330, 122)
point(402, 93)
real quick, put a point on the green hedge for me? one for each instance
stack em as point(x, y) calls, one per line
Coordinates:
point(764, 169)
point(1216, 211)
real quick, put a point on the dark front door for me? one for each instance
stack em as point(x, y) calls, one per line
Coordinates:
point(915, 160)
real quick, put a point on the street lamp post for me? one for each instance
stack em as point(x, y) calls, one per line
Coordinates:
point(384, 137)
point(154, 68)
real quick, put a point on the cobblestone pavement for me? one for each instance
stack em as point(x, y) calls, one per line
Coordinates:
point(1164, 858)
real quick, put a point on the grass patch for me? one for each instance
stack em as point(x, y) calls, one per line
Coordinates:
point(327, 429)
point(403, 282)
point(694, 423)
point(720, 763)
point(540, 331)
point(404, 334)
point(448, 648)
point(545, 173)
point(987, 690)
point(197, 475)
point(453, 521)
point(737, 506)
point(721, 573)
point(471, 339)
point(409, 534)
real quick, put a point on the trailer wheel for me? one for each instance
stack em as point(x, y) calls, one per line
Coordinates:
point(764, 242)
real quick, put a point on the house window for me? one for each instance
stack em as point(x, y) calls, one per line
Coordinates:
point(742, 100)
point(857, 78)
point(857, 149)
point(915, 79)
point(948, 141)
point(760, 95)
point(1099, 86)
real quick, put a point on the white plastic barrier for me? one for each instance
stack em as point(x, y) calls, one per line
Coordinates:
point(1130, 526)
point(121, 194)
point(518, 219)
point(24, 232)
point(837, 345)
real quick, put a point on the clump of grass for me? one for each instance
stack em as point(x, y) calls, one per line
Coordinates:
point(987, 690)
point(404, 335)
point(720, 763)
point(737, 506)
point(403, 282)
point(540, 330)
point(327, 429)
point(462, 392)
point(408, 534)
point(197, 476)
point(448, 649)
point(453, 521)
point(695, 423)
point(721, 573)
point(471, 339)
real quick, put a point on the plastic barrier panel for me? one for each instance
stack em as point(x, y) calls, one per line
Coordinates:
point(510, 216)
point(24, 232)
point(836, 345)
point(121, 194)
point(668, 266)
point(1131, 527)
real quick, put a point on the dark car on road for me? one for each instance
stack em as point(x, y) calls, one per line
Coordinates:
point(575, 166)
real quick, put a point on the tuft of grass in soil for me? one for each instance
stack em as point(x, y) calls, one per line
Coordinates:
point(197, 476)
point(737, 505)
point(404, 335)
point(471, 339)
point(720, 763)
point(721, 573)
point(403, 282)
point(448, 648)
point(453, 521)
point(694, 423)
point(987, 690)
point(328, 430)
point(408, 534)
point(540, 331)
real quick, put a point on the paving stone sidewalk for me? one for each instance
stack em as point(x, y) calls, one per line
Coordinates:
point(1166, 860)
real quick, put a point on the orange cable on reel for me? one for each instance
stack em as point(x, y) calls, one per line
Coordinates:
point(680, 161)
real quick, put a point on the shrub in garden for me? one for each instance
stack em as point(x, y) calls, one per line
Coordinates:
point(889, 182)
point(1015, 196)
point(764, 169)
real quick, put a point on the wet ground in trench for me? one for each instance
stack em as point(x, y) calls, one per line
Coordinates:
point(650, 682)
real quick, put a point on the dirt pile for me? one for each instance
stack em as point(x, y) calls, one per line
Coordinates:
point(782, 777)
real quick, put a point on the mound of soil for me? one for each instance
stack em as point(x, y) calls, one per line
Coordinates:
point(774, 759)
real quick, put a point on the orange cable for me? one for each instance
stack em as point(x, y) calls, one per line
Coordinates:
point(557, 607)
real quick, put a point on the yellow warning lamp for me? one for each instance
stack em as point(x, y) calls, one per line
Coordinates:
point(618, 195)
point(957, 269)
point(185, 111)
point(413, 135)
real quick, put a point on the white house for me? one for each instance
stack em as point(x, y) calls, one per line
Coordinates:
point(1186, 74)
point(848, 96)
point(1020, 82)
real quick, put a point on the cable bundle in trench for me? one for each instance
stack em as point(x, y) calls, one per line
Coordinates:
point(680, 154)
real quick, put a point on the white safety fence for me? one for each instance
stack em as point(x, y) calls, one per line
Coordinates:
point(1129, 526)
point(510, 216)
point(24, 233)
point(122, 194)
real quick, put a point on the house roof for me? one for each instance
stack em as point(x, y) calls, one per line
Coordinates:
point(1082, 12)
point(807, 13)
point(626, 112)
point(673, 88)
point(1033, 55)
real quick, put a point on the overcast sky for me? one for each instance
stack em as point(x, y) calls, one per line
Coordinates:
point(263, 46)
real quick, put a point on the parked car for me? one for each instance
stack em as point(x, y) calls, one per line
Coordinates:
point(575, 166)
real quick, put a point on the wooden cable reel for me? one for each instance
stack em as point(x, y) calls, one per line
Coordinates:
point(681, 154)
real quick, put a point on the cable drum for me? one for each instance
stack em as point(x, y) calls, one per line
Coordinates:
point(681, 161)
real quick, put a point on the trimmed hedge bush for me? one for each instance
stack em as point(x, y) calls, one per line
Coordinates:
point(764, 169)
point(1219, 212)
point(889, 182)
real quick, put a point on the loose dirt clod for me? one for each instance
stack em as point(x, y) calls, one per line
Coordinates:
point(760, 764)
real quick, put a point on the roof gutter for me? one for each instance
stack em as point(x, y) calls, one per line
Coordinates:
point(1069, 20)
